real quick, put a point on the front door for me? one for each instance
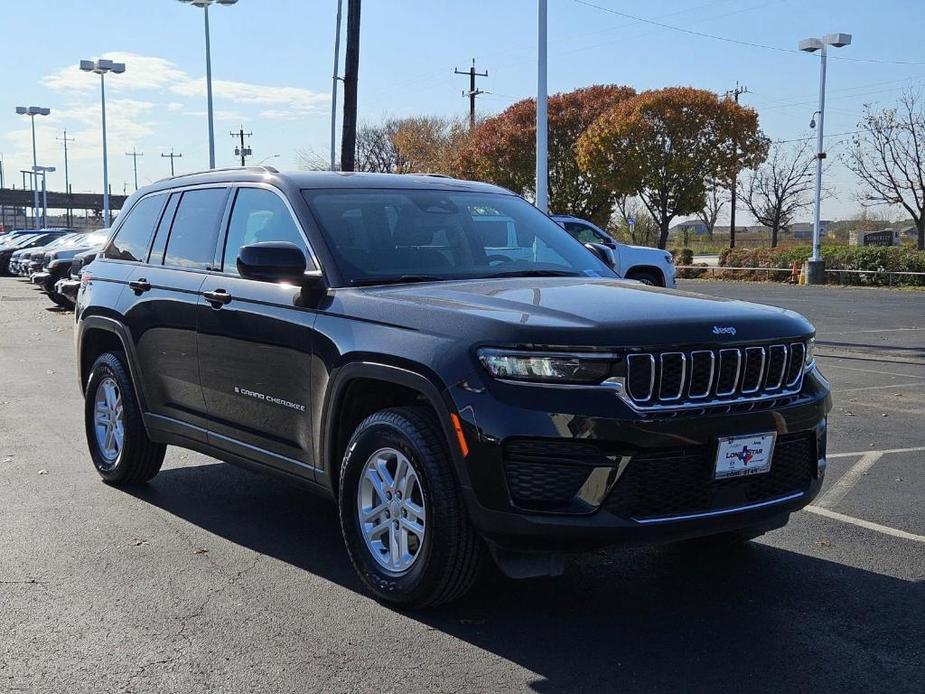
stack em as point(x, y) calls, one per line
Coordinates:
point(255, 345)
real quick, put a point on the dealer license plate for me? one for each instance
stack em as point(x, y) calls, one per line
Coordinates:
point(738, 456)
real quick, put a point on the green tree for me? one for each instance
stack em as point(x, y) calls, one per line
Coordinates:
point(666, 145)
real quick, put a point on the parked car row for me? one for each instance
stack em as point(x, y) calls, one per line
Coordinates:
point(51, 258)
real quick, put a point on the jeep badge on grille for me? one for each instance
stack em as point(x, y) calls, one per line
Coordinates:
point(728, 330)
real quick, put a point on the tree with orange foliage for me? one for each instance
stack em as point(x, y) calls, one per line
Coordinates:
point(503, 151)
point(666, 145)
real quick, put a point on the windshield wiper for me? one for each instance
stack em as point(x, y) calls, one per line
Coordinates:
point(402, 279)
point(535, 273)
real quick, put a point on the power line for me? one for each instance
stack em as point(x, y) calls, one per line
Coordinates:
point(810, 137)
point(739, 42)
point(473, 92)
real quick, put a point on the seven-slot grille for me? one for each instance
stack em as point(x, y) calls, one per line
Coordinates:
point(694, 378)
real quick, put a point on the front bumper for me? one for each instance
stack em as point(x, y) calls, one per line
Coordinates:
point(67, 287)
point(613, 442)
point(39, 277)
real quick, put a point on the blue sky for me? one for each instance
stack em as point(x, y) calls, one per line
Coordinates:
point(272, 63)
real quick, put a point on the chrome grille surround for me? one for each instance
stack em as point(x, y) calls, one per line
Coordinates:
point(749, 373)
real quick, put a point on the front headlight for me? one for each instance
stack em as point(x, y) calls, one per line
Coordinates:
point(810, 359)
point(547, 367)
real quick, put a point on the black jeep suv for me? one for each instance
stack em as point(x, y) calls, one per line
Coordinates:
point(459, 373)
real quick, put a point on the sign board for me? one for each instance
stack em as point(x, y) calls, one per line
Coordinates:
point(887, 237)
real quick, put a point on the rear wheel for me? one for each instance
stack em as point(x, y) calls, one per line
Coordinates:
point(119, 445)
point(404, 523)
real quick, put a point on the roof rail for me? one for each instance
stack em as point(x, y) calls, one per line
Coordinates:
point(432, 175)
point(259, 168)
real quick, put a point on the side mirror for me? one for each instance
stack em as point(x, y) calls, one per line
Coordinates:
point(604, 253)
point(274, 261)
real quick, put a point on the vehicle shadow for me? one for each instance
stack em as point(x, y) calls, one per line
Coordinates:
point(749, 619)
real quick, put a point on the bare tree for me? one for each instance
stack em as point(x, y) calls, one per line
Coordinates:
point(778, 188)
point(888, 155)
point(635, 222)
point(713, 206)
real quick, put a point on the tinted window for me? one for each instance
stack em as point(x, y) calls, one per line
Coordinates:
point(131, 242)
point(386, 235)
point(163, 230)
point(582, 232)
point(258, 215)
point(195, 229)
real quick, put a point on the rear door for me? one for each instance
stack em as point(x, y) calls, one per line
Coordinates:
point(255, 343)
point(160, 306)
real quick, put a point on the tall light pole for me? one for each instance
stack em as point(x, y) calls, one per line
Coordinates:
point(101, 67)
point(204, 4)
point(32, 112)
point(815, 267)
point(542, 172)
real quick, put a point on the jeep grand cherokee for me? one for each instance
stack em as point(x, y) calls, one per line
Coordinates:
point(463, 377)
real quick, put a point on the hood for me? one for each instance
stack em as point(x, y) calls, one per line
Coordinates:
point(573, 311)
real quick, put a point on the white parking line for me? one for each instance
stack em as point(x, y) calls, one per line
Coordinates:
point(879, 330)
point(846, 482)
point(872, 371)
point(856, 454)
point(876, 527)
point(894, 386)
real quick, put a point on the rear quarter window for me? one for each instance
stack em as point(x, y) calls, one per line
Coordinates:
point(134, 234)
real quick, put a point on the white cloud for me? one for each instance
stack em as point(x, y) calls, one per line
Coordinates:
point(153, 73)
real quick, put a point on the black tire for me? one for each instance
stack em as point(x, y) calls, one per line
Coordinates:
point(646, 277)
point(451, 554)
point(139, 459)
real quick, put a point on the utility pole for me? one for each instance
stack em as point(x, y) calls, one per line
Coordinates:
point(734, 93)
point(67, 181)
point(336, 78)
point(134, 155)
point(348, 140)
point(473, 92)
point(172, 156)
point(241, 150)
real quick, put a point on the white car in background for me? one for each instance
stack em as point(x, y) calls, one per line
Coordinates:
point(648, 265)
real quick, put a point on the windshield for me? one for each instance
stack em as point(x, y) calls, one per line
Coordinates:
point(382, 236)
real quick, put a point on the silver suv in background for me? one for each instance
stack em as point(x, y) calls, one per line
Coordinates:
point(648, 265)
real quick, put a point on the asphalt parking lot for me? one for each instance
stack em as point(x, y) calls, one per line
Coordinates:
point(216, 579)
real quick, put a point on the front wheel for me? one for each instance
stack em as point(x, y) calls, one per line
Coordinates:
point(119, 445)
point(406, 529)
point(649, 278)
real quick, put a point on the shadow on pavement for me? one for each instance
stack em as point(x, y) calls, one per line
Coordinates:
point(749, 619)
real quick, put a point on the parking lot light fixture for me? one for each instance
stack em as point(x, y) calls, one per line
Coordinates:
point(815, 268)
point(101, 67)
point(32, 112)
point(204, 4)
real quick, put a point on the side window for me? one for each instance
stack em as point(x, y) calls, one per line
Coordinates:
point(131, 241)
point(191, 244)
point(258, 215)
point(163, 230)
point(583, 233)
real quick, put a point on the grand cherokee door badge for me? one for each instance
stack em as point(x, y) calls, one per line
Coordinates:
point(268, 398)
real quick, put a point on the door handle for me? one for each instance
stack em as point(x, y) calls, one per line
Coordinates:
point(140, 285)
point(219, 296)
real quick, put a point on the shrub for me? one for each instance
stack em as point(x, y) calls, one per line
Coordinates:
point(871, 258)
